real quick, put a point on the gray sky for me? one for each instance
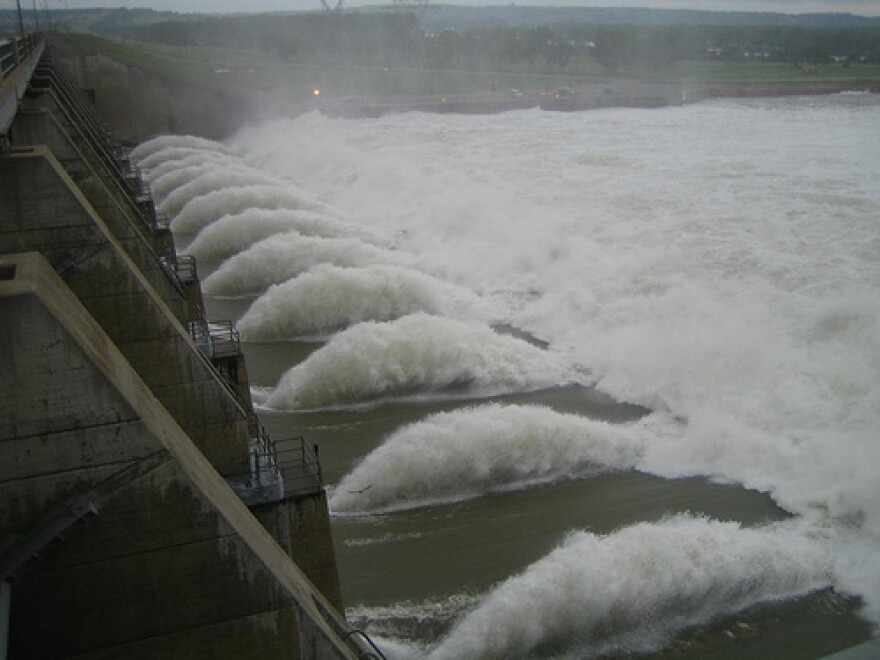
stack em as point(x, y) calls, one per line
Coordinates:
point(861, 7)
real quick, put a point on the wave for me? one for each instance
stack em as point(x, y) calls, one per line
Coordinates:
point(168, 177)
point(471, 452)
point(632, 590)
point(177, 153)
point(235, 233)
point(328, 298)
point(279, 258)
point(395, 627)
point(168, 156)
point(203, 210)
point(696, 281)
point(151, 147)
point(199, 160)
point(218, 179)
point(387, 537)
point(418, 353)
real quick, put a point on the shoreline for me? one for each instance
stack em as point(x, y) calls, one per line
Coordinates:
point(624, 94)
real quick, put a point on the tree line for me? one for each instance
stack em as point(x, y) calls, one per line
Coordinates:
point(391, 39)
point(381, 38)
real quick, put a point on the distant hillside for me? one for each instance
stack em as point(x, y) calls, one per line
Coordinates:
point(103, 21)
point(555, 40)
point(459, 17)
point(126, 22)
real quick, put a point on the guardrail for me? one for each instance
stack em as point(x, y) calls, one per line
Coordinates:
point(300, 465)
point(216, 339)
point(112, 156)
point(18, 59)
point(225, 340)
point(186, 268)
point(13, 53)
point(198, 330)
point(277, 470)
point(264, 481)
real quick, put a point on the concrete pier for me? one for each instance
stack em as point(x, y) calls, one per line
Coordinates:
point(136, 515)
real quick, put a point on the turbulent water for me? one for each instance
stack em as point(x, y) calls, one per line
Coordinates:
point(454, 304)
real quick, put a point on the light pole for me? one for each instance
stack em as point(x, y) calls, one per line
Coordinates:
point(20, 19)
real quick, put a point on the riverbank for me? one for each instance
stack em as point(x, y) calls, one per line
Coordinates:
point(140, 94)
point(604, 94)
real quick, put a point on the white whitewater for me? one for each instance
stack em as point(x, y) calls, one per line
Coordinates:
point(417, 354)
point(328, 298)
point(171, 145)
point(466, 453)
point(201, 211)
point(200, 161)
point(168, 176)
point(209, 181)
point(279, 258)
point(718, 263)
point(232, 234)
point(632, 590)
point(169, 155)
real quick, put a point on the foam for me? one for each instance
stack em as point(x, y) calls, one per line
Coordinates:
point(168, 156)
point(389, 625)
point(718, 261)
point(169, 176)
point(281, 257)
point(202, 211)
point(232, 234)
point(631, 590)
point(201, 160)
point(166, 142)
point(418, 353)
point(211, 180)
point(467, 453)
point(328, 298)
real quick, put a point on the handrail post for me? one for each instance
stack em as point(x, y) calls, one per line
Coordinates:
point(20, 18)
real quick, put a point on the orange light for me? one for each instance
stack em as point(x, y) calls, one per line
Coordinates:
point(316, 92)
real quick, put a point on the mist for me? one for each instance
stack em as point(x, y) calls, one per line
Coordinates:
point(583, 314)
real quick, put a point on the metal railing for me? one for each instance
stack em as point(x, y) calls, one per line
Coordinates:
point(12, 53)
point(198, 330)
point(82, 114)
point(186, 268)
point(300, 465)
point(109, 159)
point(277, 470)
point(225, 340)
point(18, 60)
point(216, 339)
point(168, 262)
point(264, 481)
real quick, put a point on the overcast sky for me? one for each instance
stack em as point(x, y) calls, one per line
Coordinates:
point(862, 7)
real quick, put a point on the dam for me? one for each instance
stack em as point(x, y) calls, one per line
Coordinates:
point(666, 256)
point(144, 510)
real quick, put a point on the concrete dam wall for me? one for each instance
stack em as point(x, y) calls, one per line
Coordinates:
point(133, 521)
point(135, 103)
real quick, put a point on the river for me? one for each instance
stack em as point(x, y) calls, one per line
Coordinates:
point(584, 384)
